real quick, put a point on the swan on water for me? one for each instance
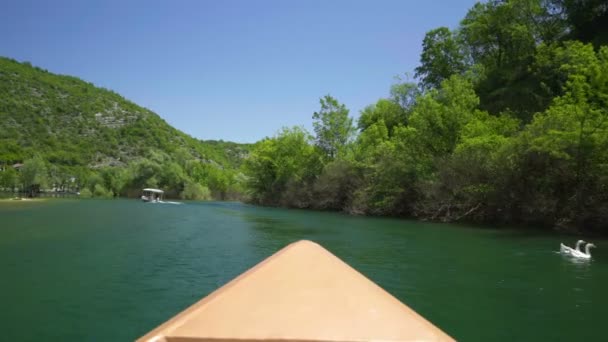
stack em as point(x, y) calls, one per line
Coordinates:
point(583, 255)
point(569, 250)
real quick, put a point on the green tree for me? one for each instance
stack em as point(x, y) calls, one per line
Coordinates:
point(443, 55)
point(573, 133)
point(195, 191)
point(588, 19)
point(274, 162)
point(8, 178)
point(391, 113)
point(554, 63)
point(172, 178)
point(398, 168)
point(100, 191)
point(502, 37)
point(333, 127)
point(469, 183)
point(371, 137)
point(405, 94)
point(440, 115)
point(391, 167)
point(503, 34)
point(335, 186)
point(114, 179)
point(219, 181)
point(10, 151)
point(86, 193)
point(34, 174)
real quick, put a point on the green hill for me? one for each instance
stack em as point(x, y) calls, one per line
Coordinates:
point(103, 141)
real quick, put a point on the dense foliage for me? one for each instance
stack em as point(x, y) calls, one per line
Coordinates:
point(508, 123)
point(71, 135)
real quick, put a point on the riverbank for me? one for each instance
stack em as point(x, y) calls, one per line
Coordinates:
point(524, 224)
point(22, 200)
point(10, 204)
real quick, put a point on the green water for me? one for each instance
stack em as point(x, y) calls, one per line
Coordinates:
point(112, 270)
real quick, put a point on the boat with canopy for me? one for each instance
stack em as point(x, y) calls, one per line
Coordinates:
point(152, 195)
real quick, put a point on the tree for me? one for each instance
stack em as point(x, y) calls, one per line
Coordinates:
point(469, 183)
point(371, 137)
point(333, 127)
point(274, 162)
point(172, 178)
point(398, 167)
point(195, 191)
point(33, 174)
point(391, 167)
point(114, 179)
point(502, 37)
point(440, 115)
point(503, 34)
point(218, 181)
point(391, 113)
point(10, 151)
point(588, 19)
point(573, 133)
point(554, 63)
point(443, 55)
point(100, 191)
point(86, 193)
point(335, 186)
point(8, 178)
point(405, 94)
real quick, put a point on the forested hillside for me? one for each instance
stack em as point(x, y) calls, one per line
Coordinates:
point(506, 121)
point(70, 134)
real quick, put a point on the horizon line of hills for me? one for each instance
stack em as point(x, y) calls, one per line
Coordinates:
point(94, 134)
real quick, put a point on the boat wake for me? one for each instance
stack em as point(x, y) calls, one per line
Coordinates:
point(164, 202)
point(169, 202)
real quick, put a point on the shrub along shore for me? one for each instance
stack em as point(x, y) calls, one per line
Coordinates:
point(507, 123)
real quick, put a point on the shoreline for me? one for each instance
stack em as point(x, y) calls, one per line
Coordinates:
point(23, 199)
point(523, 226)
point(480, 225)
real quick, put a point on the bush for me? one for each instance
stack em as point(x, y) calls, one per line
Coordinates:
point(86, 193)
point(334, 188)
point(100, 191)
point(195, 191)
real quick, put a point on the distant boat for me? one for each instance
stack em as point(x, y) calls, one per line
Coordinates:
point(152, 195)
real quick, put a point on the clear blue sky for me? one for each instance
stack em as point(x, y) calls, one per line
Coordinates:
point(232, 70)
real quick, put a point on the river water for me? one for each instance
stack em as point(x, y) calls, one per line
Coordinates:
point(111, 270)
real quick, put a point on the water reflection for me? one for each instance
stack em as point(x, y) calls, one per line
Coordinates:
point(579, 268)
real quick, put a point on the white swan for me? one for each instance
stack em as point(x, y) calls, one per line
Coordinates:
point(569, 250)
point(586, 254)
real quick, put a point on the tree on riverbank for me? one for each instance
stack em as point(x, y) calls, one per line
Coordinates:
point(8, 178)
point(509, 123)
point(333, 127)
point(33, 175)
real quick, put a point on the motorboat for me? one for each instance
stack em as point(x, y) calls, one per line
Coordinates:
point(152, 195)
